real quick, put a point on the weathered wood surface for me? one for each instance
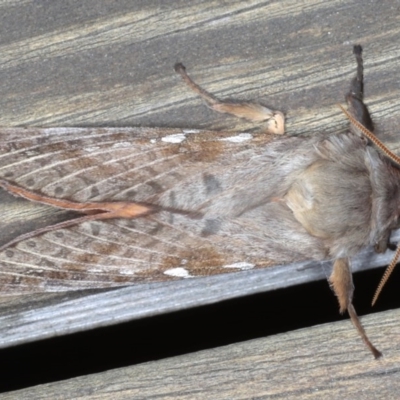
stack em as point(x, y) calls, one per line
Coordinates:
point(323, 362)
point(102, 63)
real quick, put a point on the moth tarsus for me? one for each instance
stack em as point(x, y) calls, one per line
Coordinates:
point(208, 97)
point(189, 205)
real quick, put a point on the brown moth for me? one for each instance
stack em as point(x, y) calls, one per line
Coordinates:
point(164, 204)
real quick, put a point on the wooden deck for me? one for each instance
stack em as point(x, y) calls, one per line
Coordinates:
point(105, 63)
point(323, 362)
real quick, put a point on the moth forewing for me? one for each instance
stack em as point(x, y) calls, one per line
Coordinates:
point(206, 173)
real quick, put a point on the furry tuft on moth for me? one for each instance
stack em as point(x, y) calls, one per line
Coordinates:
point(164, 204)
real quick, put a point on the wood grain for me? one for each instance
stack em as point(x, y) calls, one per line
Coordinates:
point(320, 362)
point(104, 63)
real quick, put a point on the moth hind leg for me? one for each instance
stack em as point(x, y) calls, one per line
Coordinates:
point(355, 96)
point(94, 211)
point(275, 120)
point(341, 281)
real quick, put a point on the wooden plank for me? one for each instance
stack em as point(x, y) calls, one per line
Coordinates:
point(325, 361)
point(101, 63)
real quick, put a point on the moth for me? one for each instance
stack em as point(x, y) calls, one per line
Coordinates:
point(163, 204)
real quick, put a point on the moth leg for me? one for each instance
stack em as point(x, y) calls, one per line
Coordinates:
point(275, 120)
point(384, 243)
point(93, 211)
point(55, 227)
point(119, 208)
point(341, 281)
point(357, 109)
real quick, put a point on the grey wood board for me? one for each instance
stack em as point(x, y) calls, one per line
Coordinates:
point(322, 362)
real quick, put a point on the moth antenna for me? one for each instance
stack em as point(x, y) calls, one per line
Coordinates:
point(386, 275)
point(357, 51)
point(371, 137)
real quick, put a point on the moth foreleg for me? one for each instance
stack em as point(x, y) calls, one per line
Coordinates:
point(342, 283)
point(275, 120)
point(384, 243)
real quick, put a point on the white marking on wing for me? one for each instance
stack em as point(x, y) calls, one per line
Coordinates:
point(242, 137)
point(177, 138)
point(178, 272)
point(240, 265)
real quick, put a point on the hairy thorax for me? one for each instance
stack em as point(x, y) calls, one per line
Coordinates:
point(339, 202)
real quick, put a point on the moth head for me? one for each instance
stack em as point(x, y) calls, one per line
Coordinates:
point(395, 159)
